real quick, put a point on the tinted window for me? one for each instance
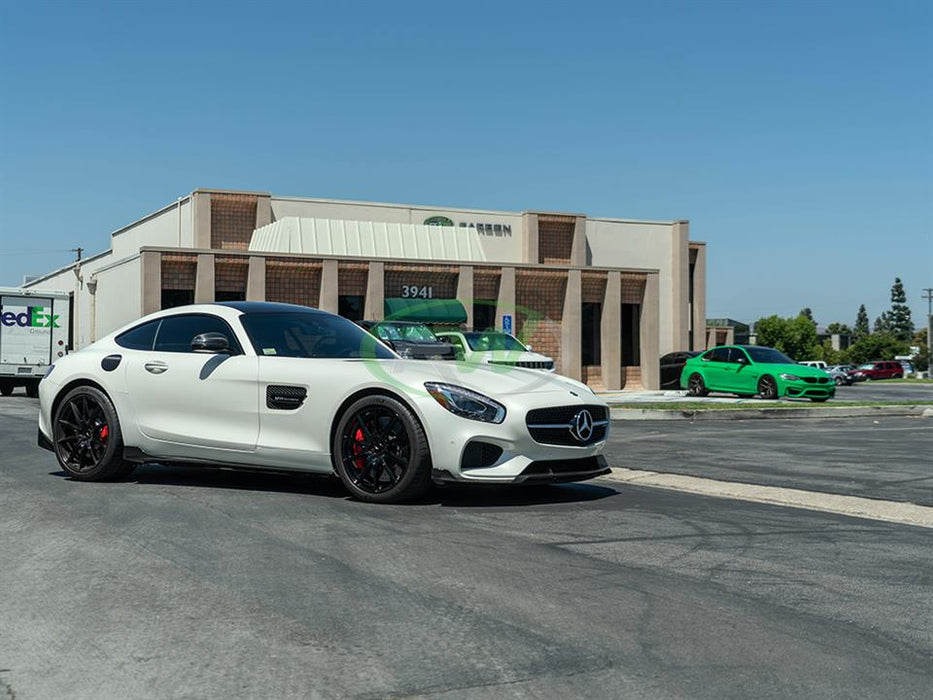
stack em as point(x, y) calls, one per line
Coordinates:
point(768, 356)
point(139, 338)
point(303, 334)
point(737, 355)
point(493, 341)
point(177, 332)
point(718, 355)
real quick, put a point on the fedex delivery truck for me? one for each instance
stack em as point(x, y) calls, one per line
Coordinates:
point(34, 332)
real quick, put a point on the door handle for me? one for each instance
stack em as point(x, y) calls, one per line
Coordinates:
point(155, 367)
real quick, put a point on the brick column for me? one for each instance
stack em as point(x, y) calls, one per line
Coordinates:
point(571, 340)
point(610, 332)
point(256, 279)
point(374, 306)
point(201, 206)
point(578, 248)
point(329, 288)
point(680, 285)
point(530, 238)
point(505, 304)
point(699, 300)
point(150, 296)
point(649, 333)
point(204, 279)
point(465, 293)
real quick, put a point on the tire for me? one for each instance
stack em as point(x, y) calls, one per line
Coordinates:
point(380, 451)
point(767, 388)
point(6, 389)
point(32, 389)
point(696, 386)
point(87, 438)
point(838, 381)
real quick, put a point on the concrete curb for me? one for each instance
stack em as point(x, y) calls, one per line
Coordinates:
point(620, 413)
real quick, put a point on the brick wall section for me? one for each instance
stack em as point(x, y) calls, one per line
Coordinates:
point(631, 378)
point(443, 279)
point(230, 274)
point(542, 291)
point(593, 377)
point(486, 282)
point(233, 219)
point(593, 286)
point(351, 278)
point(179, 271)
point(555, 239)
point(293, 281)
point(633, 288)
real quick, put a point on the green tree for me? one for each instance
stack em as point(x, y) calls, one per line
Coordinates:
point(808, 313)
point(882, 323)
point(828, 354)
point(861, 323)
point(898, 318)
point(922, 359)
point(795, 337)
point(840, 328)
point(881, 345)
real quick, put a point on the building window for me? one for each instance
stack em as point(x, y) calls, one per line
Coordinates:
point(350, 306)
point(221, 295)
point(591, 342)
point(631, 335)
point(484, 314)
point(176, 297)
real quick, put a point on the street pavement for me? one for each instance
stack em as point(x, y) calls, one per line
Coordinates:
point(216, 584)
point(877, 391)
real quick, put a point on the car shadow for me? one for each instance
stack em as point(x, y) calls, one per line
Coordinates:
point(453, 496)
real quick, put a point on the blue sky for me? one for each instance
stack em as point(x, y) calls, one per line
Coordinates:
point(797, 137)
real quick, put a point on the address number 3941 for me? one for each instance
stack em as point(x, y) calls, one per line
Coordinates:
point(414, 291)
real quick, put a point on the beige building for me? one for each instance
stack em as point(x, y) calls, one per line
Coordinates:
point(603, 297)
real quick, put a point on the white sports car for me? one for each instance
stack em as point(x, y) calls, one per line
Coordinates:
point(283, 387)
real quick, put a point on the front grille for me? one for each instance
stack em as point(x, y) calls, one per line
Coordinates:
point(555, 426)
point(527, 364)
point(816, 380)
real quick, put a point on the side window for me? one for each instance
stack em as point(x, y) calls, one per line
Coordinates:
point(139, 338)
point(737, 355)
point(176, 332)
point(719, 354)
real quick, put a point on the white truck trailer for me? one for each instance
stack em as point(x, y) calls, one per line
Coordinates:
point(35, 329)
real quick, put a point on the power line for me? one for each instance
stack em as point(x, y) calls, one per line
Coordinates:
point(36, 251)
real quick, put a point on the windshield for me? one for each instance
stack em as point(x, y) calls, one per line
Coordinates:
point(304, 334)
point(415, 332)
point(768, 356)
point(493, 341)
point(867, 365)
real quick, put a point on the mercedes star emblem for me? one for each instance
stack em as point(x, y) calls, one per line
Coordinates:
point(582, 426)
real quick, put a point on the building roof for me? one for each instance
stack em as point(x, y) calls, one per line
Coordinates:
point(368, 239)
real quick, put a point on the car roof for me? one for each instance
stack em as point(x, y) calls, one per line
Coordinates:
point(265, 307)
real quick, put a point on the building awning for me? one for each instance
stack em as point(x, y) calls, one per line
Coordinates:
point(431, 311)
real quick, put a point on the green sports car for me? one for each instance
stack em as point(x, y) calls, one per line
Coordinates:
point(747, 370)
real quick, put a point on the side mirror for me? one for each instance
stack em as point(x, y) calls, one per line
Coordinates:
point(215, 343)
point(741, 360)
point(529, 348)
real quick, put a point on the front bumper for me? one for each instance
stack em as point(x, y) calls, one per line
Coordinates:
point(543, 472)
point(803, 390)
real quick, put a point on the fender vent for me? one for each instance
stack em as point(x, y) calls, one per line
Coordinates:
point(285, 398)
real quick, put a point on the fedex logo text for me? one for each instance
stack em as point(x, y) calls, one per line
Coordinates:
point(32, 317)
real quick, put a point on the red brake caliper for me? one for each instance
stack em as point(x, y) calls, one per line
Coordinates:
point(359, 439)
point(104, 432)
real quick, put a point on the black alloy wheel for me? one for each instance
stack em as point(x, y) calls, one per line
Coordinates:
point(87, 437)
point(696, 386)
point(767, 388)
point(838, 381)
point(381, 451)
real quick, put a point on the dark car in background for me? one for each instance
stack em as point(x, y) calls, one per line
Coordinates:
point(411, 340)
point(672, 364)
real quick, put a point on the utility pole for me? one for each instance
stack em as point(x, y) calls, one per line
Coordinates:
point(928, 295)
point(77, 251)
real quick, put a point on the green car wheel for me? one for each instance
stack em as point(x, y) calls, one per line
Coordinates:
point(696, 386)
point(767, 388)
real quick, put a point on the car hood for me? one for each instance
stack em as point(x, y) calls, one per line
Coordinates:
point(495, 381)
point(797, 370)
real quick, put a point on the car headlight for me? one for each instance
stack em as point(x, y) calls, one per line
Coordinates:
point(790, 377)
point(466, 403)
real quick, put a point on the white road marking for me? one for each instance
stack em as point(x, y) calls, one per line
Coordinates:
point(853, 506)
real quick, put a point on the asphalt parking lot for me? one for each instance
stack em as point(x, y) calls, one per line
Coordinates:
point(885, 391)
point(209, 584)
